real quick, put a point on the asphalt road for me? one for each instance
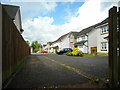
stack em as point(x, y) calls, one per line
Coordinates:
point(49, 70)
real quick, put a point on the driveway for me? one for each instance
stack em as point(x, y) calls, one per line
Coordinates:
point(49, 70)
point(94, 66)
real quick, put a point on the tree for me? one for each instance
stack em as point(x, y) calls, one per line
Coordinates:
point(28, 43)
point(35, 45)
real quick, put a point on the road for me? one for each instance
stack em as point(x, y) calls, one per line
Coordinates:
point(50, 70)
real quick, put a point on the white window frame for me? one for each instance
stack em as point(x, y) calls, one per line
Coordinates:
point(81, 46)
point(104, 48)
point(83, 37)
point(104, 29)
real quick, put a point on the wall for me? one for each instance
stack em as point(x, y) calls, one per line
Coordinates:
point(100, 38)
point(92, 39)
point(71, 44)
point(65, 42)
point(18, 20)
point(0, 46)
point(14, 47)
point(84, 49)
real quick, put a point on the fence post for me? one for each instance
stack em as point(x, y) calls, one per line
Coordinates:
point(113, 67)
point(0, 46)
point(119, 48)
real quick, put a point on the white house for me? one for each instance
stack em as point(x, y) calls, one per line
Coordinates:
point(61, 42)
point(64, 41)
point(82, 43)
point(96, 37)
point(14, 14)
point(82, 39)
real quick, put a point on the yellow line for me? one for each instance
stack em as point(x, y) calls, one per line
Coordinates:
point(71, 68)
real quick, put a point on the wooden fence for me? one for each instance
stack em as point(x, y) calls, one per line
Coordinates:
point(114, 45)
point(14, 47)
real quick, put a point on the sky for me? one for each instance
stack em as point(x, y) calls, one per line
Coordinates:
point(46, 20)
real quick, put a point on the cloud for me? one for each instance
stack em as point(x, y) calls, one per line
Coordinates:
point(33, 9)
point(43, 30)
point(40, 29)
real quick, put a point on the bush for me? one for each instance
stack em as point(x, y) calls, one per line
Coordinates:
point(79, 53)
point(69, 53)
point(75, 52)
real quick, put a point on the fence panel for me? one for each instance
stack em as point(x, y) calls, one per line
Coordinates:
point(14, 47)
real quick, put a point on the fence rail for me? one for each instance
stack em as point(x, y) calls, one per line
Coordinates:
point(14, 47)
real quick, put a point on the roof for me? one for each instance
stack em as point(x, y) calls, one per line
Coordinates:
point(44, 44)
point(75, 34)
point(11, 10)
point(49, 43)
point(60, 38)
point(55, 47)
point(87, 30)
point(80, 43)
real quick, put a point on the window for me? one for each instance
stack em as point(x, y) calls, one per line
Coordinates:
point(83, 37)
point(71, 40)
point(104, 45)
point(72, 47)
point(105, 29)
point(81, 46)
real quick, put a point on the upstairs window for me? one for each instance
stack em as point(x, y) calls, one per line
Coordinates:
point(105, 29)
point(71, 40)
point(83, 37)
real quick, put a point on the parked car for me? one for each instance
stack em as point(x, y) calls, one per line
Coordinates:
point(64, 50)
point(43, 52)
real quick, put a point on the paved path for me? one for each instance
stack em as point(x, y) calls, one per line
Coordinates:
point(55, 70)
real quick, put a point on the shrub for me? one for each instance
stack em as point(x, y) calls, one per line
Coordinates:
point(69, 53)
point(75, 50)
point(79, 53)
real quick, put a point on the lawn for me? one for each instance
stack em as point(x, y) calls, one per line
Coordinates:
point(90, 55)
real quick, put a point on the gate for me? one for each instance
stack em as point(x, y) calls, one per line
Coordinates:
point(114, 46)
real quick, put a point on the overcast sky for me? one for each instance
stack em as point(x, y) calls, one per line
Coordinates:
point(46, 21)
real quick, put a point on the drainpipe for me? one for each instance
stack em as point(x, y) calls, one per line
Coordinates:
point(87, 43)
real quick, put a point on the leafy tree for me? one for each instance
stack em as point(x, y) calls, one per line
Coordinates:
point(28, 43)
point(35, 45)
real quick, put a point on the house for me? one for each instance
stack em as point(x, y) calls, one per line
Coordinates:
point(48, 46)
point(44, 46)
point(64, 41)
point(14, 14)
point(96, 38)
point(72, 39)
point(82, 39)
point(93, 37)
point(61, 42)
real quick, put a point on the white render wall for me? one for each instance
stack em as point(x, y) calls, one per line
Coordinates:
point(18, 21)
point(92, 39)
point(64, 42)
point(95, 38)
point(84, 49)
point(0, 46)
point(100, 38)
point(80, 39)
point(55, 44)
